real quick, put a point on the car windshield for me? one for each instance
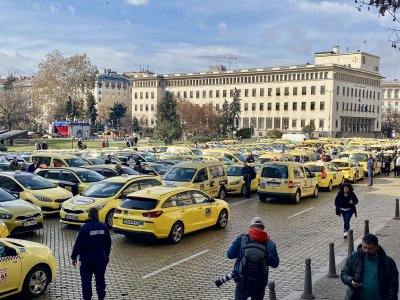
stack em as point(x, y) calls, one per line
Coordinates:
point(103, 189)
point(89, 176)
point(34, 182)
point(149, 157)
point(240, 156)
point(359, 156)
point(130, 171)
point(315, 168)
point(97, 161)
point(180, 174)
point(76, 162)
point(139, 203)
point(340, 164)
point(197, 151)
point(160, 169)
point(275, 171)
point(4, 196)
point(234, 171)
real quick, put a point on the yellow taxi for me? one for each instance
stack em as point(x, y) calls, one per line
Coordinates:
point(327, 174)
point(109, 170)
point(303, 156)
point(3, 230)
point(272, 156)
point(351, 169)
point(209, 176)
point(75, 180)
point(169, 212)
point(362, 158)
point(18, 215)
point(55, 160)
point(26, 268)
point(105, 195)
point(234, 156)
point(288, 180)
point(236, 183)
point(35, 190)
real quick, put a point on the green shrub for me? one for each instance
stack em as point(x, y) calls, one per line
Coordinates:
point(275, 133)
point(245, 133)
point(3, 148)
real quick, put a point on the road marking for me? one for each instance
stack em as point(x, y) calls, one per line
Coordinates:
point(301, 212)
point(174, 264)
point(241, 202)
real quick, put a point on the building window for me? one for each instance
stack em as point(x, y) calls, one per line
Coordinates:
point(152, 95)
point(269, 106)
point(204, 94)
point(261, 123)
point(343, 91)
point(254, 92)
point(336, 123)
point(261, 92)
point(313, 88)
point(269, 123)
point(312, 122)
point(295, 91)
point(269, 91)
point(135, 107)
point(135, 95)
point(294, 123)
point(322, 105)
point(286, 106)
point(277, 106)
point(146, 107)
point(303, 105)
point(152, 107)
point(312, 106)
point(210, 94)
point(246, 107)
point(278, 91)
point(141, 95)
point(261, 106)
point(304, 90)
point(337, 90)
point(197, 94)
point(286, 91)
point(216, 107)
point(277, 123)
point(246, 92)
point(217, 93)
point(253, 106)
point(302, 123)
point(141, 107)
point(223, 93)
point(322, 91)
point(321, 123)
point(294, 106)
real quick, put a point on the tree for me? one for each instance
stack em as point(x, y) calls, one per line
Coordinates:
point(59, 79)
point(168, 123)
point(390, 121)
point(384, 7)
point(91, 110)
point(135, 125)
point(309, 129)
point(168, 129)
point(232, 120)
point(9, 83)
point(275, 133)
point(245, 133)
point(72, 110)
point(166, 108)
point(13, 108)
point(117, 112)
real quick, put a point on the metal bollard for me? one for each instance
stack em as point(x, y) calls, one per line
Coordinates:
point(366, 227)
point(350, 247)
point(332, 263)
point(396, 213)
point(272, 294)
point(307, 293)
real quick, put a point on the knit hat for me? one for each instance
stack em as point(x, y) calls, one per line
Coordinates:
point(257, 221)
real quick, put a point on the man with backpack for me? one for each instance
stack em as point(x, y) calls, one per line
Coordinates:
point(254, 252)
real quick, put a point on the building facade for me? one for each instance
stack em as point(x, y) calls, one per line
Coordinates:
point(340, 94)
point(391, 95)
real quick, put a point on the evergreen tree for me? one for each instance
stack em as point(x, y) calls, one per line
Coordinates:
point(136, 125)
point(234, 112)
point(166, 108)
point(168, 123)
point(9, 83)
point(71, 109)
point(91, 110)
point(117, 112)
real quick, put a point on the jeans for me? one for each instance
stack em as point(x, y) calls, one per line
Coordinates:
point(87, 270)
point(346, 219)
point(242, 292)
point(387, 168)
point(248, 187)
point(370, 176)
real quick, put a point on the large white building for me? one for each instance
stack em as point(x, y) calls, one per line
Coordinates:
point(340, 94)
point(391, 94)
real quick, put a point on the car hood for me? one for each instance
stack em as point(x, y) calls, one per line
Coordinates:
point(27, 244)
point(175, 183)
point(54, 193)
point(18, 206)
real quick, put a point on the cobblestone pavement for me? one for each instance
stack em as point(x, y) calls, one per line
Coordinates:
point(143, 269)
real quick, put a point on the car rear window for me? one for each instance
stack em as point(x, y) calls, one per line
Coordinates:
point(315, 168)
point(139, 203)
point(275, 171)
point(341, 164)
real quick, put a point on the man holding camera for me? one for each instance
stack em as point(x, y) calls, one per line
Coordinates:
point(254, 252)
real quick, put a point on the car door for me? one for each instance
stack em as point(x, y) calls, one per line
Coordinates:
point(201, 181)
point(206, 209)
point(188, 212)
point(69, 180)
point(339, 175)
point(309, 182)
point(10, 269)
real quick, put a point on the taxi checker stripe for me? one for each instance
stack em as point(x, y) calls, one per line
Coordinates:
point(8, 258)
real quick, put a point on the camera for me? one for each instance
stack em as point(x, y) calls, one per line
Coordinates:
point(222, 280)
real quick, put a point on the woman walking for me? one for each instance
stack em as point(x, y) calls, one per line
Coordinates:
point(345, 203)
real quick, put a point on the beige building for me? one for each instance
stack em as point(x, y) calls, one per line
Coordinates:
point(340, 94)
point(391, 94)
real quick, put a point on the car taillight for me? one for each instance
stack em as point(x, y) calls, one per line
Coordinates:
point(323, 175)
point(152, 214)
point(291, 184)
point(118, 211)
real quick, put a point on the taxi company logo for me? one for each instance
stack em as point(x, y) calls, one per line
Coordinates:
point(83, 201)
point(3, 275)
point(13, 203)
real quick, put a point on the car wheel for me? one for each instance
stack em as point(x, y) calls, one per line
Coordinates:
point(330, 186)
point(297, 197)
point(222, 193)
point(176, 233)
point(36, 282)
point(243, 190)
point(262, 198)
point(109, 218)
point(316, 192)
point(222, 219)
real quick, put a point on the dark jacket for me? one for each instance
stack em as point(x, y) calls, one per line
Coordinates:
point(344, 202)
point(271, 254)
point(93, 243)
point(248, 173)
point(388, 275)
point(387, 159)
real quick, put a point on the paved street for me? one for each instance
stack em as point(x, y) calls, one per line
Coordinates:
point(155, 270)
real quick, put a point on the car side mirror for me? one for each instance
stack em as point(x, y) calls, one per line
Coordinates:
point(212, 200)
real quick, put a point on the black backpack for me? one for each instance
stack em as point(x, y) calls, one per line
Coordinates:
point(252, 266)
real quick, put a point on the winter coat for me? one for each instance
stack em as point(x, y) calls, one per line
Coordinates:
point(388, 275)
point(341, 201)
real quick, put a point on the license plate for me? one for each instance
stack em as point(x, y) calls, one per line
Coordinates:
point(30, 223)
point(70, 217)
point(132, 222)
point(273, 184)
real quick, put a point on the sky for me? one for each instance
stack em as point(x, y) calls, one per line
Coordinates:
point(177, 36)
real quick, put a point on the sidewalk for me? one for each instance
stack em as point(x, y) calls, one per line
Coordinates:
point(334, 289)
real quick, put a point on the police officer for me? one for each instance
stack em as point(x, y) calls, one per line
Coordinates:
point(93, 246)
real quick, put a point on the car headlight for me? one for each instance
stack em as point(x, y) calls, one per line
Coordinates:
point(6, 216)
point(44, 199)
point(99, 207)
point(235, 182)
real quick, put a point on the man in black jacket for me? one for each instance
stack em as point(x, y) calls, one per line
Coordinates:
point(370, 273)
point(93, 246)
point(248, 175)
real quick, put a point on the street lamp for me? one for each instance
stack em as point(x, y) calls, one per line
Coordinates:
point(330, 112)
